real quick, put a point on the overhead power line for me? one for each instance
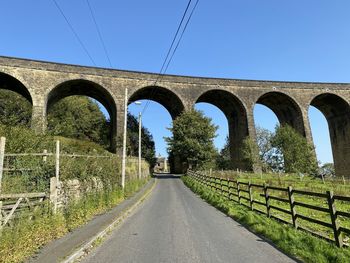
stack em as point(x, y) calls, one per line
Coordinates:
point(168, 60)
point(182, 33)
point(99, 33)
point(74, 32)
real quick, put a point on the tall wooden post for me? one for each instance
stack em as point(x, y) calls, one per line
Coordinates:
point(57, 176)
point(124, 137)
point(250, 195)
point(292, 207)
point(333, 214)
point(2, 157)
point(267, 200)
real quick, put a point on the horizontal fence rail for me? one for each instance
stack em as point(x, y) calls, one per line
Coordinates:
point(243, 193)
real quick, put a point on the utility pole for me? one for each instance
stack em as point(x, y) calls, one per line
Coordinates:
point(124, 136)
point(140, 170)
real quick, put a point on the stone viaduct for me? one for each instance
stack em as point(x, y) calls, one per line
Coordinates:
point(44, 83)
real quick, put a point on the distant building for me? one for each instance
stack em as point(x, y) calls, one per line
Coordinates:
point(162, 165)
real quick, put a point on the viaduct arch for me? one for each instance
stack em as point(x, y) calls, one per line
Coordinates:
point(43, 83)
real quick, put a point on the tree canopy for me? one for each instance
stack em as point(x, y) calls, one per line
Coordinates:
point(15, 110)
point(285, 150)
point(192, 139)
point(77, 117)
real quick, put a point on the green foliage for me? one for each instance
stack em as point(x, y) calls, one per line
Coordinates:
point(27, 236)
point(36, 175)
point(15, 110)
point(250, 153)
point(285, 150)
point(75, 117)
point(148, 150)
point(299, 244)
point(192, 139)
point(223, 159)
point(298, 154)
point(79, 117)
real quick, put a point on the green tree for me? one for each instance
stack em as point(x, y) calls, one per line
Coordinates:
point(250, 153)
point(15, 110)
point(147, 143)
point(271, 158)
point(223, 159)
point(298, 154)
point(192, 139)
point(79, 117)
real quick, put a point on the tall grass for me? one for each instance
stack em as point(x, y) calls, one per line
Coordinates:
point(25, 237)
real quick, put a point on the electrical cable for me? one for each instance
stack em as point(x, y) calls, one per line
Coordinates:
point(99, 33)
point(161, 73)
point(74, 32)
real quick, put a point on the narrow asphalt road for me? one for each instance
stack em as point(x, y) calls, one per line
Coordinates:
point(174, 225)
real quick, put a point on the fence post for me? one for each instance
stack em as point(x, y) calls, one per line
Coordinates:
point(220, 180)
point(292, 207)
point(267, 200)
point(57, 176)
point(45, 156)
point(2, 157)
point(250, 195)
point(333, 214)
point(0, 214)
point(53, 193)
point(238, 192)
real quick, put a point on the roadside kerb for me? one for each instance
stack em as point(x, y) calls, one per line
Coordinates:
point(80, 252)
point(74, 244)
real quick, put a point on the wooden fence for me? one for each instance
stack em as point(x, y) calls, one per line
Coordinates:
point(242, 193)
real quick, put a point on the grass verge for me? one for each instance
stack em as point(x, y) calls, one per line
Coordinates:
point(26, 237)
point(298, 244)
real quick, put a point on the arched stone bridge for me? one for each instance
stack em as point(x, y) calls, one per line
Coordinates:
point(44, 83)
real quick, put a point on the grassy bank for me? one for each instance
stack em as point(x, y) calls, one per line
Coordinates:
point(307, 183)
point(25, 237)
point(304, 182)
point(293, 242)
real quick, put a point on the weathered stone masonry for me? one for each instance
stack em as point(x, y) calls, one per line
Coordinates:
point(44, 83)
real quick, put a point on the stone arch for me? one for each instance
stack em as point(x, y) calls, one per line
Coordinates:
point(167, 98)
point(11, 83)
point(286, 109)
point(25, 100)
point(337, 112)
point(86, 88)
point(236, 114)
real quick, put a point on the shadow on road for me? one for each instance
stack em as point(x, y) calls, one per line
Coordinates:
point(166, 176)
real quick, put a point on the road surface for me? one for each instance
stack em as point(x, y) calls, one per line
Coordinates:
point(174, 225)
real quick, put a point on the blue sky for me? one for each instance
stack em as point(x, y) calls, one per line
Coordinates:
point(248, 39)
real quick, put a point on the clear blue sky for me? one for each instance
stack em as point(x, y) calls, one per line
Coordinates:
point(249, 39)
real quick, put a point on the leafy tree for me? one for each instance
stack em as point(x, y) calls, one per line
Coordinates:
point(15, 110)
point(147, 143)
point(250, 153)
point(192, 139)
point(223, 159)
point(79, 117)
point(271, 158)
point(297, 152)
point(76, 117)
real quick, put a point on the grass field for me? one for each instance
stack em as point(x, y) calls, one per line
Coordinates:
point(305, 183)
